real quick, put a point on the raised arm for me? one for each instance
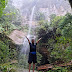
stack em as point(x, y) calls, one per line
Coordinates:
point(39, 40)
point(27, 39)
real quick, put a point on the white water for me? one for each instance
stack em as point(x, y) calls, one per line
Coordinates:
point(26, 47)
point(23, 57)
point(31, 18)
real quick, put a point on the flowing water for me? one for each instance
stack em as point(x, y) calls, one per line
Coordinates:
point(31, 18)
point(25, 49)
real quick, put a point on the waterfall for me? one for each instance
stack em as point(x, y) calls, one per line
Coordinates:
point(26, 48)
point(31, 18)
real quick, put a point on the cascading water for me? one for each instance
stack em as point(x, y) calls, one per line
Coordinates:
point(31, 18)
point(25, 49)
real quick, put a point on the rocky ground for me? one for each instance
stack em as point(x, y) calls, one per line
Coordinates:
point(24, 70)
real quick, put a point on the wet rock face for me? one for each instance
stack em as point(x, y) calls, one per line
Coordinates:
point(17, 37)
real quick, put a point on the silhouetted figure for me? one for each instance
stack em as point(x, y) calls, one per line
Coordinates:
point(32, 53)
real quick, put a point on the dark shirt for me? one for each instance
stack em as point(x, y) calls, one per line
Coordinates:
point(32, 47)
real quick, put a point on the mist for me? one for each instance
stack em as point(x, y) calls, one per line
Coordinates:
point(45, 23)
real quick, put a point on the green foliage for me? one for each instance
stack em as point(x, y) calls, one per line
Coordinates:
point(43, 28)
point(59, 69)
point(56, 21)
point(62, 49)
point(68, 52)
point(10, 19)
point(4, 52)
point(39, 16)
point(52, 16)
point(2, 6)
point(66, 26)
point(7, 49)
point(39, 56)
point(3, 68)
point(59, 42)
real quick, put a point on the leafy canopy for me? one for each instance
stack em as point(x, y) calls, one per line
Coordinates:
point(2, 6)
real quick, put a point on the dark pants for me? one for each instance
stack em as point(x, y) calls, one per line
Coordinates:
point(32, 58)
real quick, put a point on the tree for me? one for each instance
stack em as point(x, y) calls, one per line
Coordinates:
point(39, 16)
point(2, 6)
point(63, 47)
point(58, 37)
point(10, 19)
point(4, 52)
point(7, 49)
point(52, 16)
point(66, 26)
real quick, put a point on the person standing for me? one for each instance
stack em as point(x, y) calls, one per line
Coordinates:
point(32, 53)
